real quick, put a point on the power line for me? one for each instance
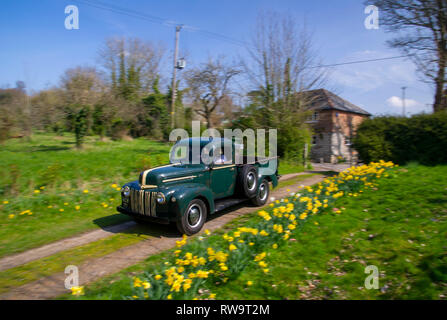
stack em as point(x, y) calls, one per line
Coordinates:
point(126, 12)
point(358, 61)
point(210, 34)
point(159, 20)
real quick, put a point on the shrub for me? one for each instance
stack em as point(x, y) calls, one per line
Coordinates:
point(421, 138)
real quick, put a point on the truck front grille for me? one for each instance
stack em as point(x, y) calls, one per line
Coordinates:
point(143, 202)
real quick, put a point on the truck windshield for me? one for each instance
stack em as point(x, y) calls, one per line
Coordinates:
point(182, 153)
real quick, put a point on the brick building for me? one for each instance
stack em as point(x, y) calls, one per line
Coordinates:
point(334, 121)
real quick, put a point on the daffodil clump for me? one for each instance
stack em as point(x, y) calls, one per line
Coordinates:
point(197, 263)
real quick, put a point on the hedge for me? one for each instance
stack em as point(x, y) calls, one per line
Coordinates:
point(421, 138)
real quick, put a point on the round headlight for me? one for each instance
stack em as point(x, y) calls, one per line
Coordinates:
point(126, 191)
point(161, 198)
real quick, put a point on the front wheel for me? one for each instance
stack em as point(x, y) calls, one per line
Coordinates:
point(262, 195)
point(193, 219)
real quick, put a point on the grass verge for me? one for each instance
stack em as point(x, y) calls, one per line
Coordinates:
point(49, 190)
point(400, 227)
point(47, 266)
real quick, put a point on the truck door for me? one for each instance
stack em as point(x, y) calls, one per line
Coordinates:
point(222, 175)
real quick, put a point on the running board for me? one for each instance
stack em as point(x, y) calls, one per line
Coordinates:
point(222, 204)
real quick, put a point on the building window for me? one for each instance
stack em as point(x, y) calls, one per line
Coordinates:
point(313, 117)
point(314, 140)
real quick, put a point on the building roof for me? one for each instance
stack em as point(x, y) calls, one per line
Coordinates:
point(322, 99)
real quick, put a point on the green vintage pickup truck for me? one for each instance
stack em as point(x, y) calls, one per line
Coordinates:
point(192, 186)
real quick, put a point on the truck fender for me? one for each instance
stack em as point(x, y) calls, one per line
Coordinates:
point(187, 193)
point(271, 178)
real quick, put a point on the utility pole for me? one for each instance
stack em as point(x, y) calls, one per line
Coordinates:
point(174, 75)
point(403, 101)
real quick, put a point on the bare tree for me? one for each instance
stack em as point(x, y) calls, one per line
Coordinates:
point(82, 88)
point(209, 84)
point(14, 115)
point(421, 26)
point(131, 65)
point(82, 85)
point(279, 69)
point(47, 109)
point(281, 56)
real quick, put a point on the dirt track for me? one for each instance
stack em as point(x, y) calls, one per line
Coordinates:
point(75, 241)
point(91, 270)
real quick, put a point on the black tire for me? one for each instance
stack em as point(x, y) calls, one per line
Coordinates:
point(248, 181)
point(189, 223)
point(262, 195)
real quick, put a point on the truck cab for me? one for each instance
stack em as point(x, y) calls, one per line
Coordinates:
point(204, 176)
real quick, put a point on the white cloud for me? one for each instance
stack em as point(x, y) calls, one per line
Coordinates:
point(411, 106)
point(397, 102)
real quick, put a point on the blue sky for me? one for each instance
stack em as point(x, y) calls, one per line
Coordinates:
point(36, 47)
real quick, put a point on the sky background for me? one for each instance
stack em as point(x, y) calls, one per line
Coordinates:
point(36, 47)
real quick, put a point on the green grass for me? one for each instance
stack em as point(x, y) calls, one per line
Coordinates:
point(286, 166)
point(400, 227)
point(289, 182)
point(54, 163)
point(47, 266)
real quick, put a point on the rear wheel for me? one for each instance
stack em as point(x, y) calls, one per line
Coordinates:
point(248, 181)
point(193, 219)
point(262, 195)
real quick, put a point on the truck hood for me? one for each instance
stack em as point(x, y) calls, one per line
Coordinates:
point(156, 176)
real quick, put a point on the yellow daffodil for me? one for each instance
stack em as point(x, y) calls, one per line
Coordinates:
point(5, 202)
point(249, 283)
point(137, 282)
point(77, 291)
point(260, 256)
point(85, 191)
